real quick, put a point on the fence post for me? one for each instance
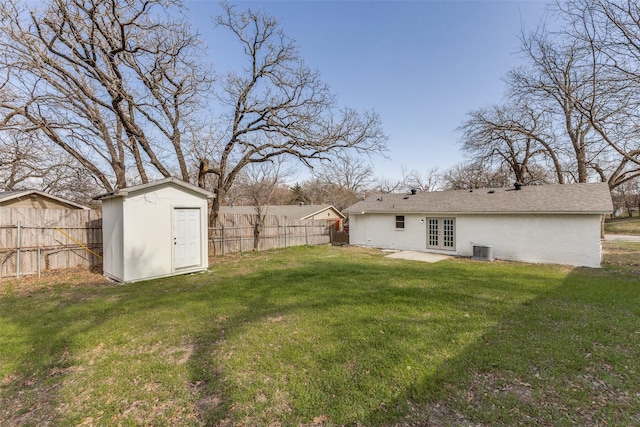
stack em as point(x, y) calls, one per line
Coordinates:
point(18, 251)
point(285, 235)
point(38, 263)
point(223, 239)
point(306, 235)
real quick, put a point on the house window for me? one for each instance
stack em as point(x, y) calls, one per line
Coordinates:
point(441, 233)
point(399, 221)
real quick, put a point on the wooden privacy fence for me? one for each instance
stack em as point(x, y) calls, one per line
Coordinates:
point(36, 240)
point(235, 233)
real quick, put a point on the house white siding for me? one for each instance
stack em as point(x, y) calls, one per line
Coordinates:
point(557, 239)
point(379, 231)
point(553, 238)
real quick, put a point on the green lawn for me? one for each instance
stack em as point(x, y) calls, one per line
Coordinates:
point(622, 226)
point(326, 336)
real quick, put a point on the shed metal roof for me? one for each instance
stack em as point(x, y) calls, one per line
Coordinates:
point(555, 198)
point(150, 185)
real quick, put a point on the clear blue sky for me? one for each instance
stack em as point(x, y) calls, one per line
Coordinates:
point(422, 65)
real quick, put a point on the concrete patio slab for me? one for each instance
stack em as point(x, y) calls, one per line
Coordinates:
point(418, 256)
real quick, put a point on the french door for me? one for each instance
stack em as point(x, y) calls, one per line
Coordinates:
point(441, 233)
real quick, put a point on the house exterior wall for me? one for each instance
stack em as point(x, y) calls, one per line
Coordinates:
point(545, 238)
point(379, 231)
point(327, 215)
point(558, 239)
point(145, 249)
point(330, 216)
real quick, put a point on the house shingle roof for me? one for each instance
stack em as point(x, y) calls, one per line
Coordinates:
point(555, 198)
point(290, 211)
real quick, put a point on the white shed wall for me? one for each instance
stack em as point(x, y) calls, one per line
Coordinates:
point(112, 238)
point(149, 231)
point(560, 239)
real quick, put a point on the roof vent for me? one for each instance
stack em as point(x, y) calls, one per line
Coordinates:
point(517, 185)
point(414, 191)
point(405, 197)
point(491, 191)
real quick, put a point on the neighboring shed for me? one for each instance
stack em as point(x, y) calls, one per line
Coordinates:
point(36, 200)
point(328, 213)
point(558, 224)
point(154, 230)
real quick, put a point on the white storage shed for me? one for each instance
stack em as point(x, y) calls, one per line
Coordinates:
point(154, 230)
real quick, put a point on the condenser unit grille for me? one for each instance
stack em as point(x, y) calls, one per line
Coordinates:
point(482, 252)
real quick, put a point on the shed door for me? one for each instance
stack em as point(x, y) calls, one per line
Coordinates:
point(186, 237)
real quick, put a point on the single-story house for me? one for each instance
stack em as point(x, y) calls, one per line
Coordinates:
point(35, 199)
point(559, 224)
point(155, 230)
point(328, 213)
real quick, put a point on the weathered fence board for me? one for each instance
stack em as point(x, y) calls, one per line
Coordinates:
point(35, 240)
point(235, 233)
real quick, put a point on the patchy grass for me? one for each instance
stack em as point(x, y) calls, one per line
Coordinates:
point(624, 256)
point(629, 226)
point(326, 336)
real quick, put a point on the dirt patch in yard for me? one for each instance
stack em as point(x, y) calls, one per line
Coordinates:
point(79, 277)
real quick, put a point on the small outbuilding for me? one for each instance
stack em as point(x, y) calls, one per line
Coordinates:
point(558, 224)
point(154, 230)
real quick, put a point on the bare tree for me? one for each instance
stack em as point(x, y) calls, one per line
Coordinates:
point(345, 172)
point(476, 175)
point(557, 80)
point(386, 185)
point(111, 83)
point(609, 32)
point(340, 182)
point(277, 106)
point(429, 181)
point(627, 197)
point(261, 184)
point(26, 164)
point(257, 185)
point(514, 136)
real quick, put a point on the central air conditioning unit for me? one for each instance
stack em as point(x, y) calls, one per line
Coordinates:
point(483, 252)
